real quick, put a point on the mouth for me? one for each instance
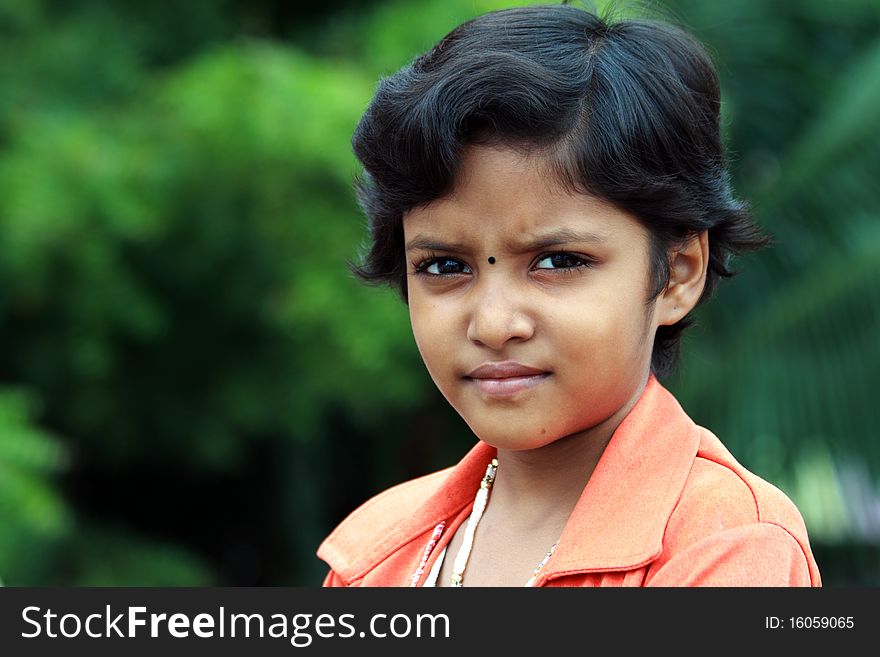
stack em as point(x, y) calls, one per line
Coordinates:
point(507, 386)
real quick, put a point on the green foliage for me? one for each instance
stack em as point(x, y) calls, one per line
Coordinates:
point(793, 340)
point(130, 234)
point(33, 516)
point(173, 268)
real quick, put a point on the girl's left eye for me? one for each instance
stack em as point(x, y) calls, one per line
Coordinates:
point(561, 261)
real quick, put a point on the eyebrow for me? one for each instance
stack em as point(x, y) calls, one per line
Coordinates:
point(553, 238)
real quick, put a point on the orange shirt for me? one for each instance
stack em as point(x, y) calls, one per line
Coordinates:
point(667, 505)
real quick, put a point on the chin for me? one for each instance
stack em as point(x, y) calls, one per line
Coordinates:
point(513, 446)
point(515, 442)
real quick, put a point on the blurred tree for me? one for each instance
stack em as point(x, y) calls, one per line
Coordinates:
point(798, 359)
point(173, 270)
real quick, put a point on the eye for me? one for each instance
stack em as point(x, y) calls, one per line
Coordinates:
point(562, 260)
point(441, 266)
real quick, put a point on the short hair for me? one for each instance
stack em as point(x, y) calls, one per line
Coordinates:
point(626, 111)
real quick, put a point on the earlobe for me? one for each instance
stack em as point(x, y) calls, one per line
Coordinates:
point(687, 278)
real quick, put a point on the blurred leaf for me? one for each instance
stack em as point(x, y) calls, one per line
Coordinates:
point(32, 512)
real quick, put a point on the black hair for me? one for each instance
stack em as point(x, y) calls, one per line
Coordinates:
point(627, 111)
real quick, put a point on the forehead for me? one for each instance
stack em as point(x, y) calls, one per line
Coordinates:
point(504, 196)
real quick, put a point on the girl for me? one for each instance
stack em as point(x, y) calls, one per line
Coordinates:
point(547, 191)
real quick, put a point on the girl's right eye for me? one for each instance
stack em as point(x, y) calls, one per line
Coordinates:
point(442, 266)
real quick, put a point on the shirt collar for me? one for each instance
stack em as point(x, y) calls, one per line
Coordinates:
point(620, 518)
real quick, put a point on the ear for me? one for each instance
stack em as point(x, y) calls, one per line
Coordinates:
point(687, 278)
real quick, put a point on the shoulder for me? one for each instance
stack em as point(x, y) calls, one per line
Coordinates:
point(731, 516)
point(380, 515)
point(396, 502)
point(719, 492)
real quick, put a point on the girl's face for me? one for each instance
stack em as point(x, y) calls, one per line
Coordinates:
point(564, 299)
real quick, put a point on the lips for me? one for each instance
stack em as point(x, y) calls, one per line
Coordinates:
point(506, 377)
point(503, 370)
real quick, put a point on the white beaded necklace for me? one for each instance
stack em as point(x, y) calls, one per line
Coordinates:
point(464, 552)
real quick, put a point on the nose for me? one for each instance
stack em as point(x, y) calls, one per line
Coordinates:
point(498, 315)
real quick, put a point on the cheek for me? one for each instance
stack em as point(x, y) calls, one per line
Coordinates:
point(419, 321)
point(431, 329)
point(597, 340)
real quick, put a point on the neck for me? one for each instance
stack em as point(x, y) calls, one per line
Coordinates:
point(539, 488)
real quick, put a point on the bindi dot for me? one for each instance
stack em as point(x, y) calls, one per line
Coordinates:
point(491, 260)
